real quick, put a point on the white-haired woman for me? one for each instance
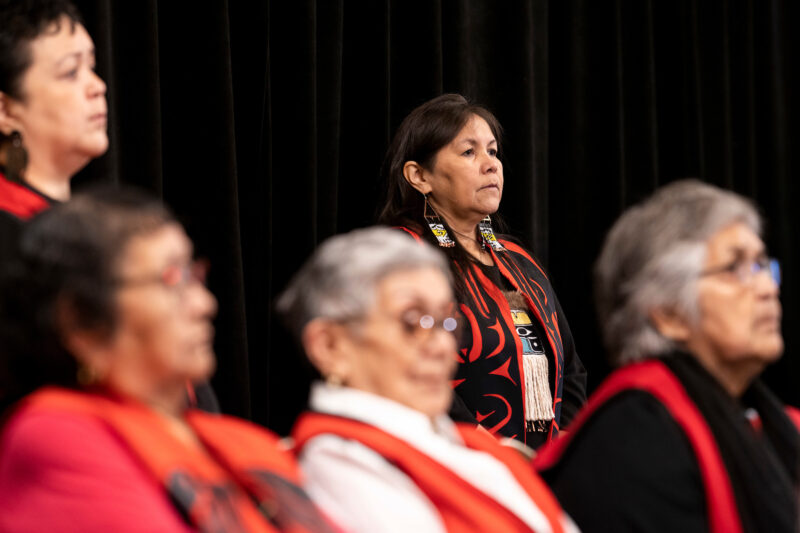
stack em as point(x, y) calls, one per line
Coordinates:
point(374, 311)
point(684, 437)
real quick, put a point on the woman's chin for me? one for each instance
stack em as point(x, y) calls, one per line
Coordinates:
point(95, 147)
point(433, 405)
point(202, 366)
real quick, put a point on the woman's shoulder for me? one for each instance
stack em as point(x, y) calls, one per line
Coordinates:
point(648, 473)
point(521, 252)
point(34, 434)
point(638, 439)
point(20, 201)
point(56, 464)
point(351, 482)
point(409, 227)
point(515, 244)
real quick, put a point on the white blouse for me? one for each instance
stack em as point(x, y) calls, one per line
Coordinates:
point(363, 492)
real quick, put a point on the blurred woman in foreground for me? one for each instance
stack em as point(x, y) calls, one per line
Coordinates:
point(684, 437)
point(375, 313)
point(107, 321)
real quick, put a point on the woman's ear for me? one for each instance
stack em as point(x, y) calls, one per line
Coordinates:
point(325, 344)
point(670, 324)
point(89, 347)
point(416, 176)
point(8, 123)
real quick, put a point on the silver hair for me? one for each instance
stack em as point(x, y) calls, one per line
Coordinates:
point(339, 280)
point(652, 258)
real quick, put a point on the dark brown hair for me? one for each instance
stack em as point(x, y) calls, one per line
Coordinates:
point(426, 130)
point(69, 255)
point(21, 22)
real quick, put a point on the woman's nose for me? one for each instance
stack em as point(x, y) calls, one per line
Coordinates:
point(766, 285)
point(441, 343)
point(490, 163)
point(202, 302)
point(97, 87)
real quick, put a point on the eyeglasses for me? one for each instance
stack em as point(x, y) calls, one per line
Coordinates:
point(173, 276)
point(745, 270)
point(421, 326)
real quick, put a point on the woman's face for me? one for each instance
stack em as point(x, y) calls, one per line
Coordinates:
point(388, 354)
point(61, 113)
point(739, 325)
point(466, 181)
point(164, 331)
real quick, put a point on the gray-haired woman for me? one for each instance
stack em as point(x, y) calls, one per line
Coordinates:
point(374, 312)
point(684, 437)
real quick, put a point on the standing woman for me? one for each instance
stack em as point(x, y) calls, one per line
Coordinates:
point(519, 374)
point(52, 108)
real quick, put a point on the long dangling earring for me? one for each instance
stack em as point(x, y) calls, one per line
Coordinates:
point(437, 226)
point(16, 158)
point(485, 228)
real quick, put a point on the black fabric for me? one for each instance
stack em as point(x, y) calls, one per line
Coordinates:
point(631, 469)
point(488, 377)
point(763, 467)
point(205, 398)
point(10, 228)
point(493, 273)
point(264, 124)
point(459, 412)
point(534, 439)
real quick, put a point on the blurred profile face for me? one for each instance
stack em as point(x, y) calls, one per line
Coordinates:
point(61, 113)
point(390, 355)
point(164, 332)
point(739, 320)
point(466, 181)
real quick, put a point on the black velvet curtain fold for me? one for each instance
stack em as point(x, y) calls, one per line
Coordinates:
point(263, 124)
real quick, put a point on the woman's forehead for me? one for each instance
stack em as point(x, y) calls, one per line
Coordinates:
point(736, 239)
point(165, 245)
point(53, 47)
point(426, 285)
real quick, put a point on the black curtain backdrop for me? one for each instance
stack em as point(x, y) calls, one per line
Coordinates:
point(263, 124)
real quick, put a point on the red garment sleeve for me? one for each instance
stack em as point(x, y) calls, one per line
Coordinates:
point(69, 473)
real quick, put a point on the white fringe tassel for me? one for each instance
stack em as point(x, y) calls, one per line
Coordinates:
point(538, 400)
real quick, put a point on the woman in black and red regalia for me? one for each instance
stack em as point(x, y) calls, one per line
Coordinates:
point(519, 374)
point(375, 314)
point(684, 437)
point(52, 109)
point(105, 324)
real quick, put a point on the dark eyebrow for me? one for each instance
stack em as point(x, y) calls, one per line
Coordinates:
point(76, 55)
point(474, 142)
